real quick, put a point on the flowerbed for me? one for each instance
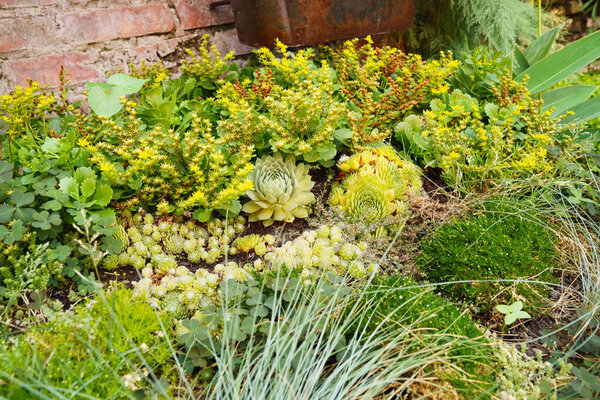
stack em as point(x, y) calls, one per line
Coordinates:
point(342, 223)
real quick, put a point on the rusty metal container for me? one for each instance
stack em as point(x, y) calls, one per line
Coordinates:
point(308, 22)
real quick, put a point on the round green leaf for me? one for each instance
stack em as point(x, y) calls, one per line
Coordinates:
point(21, 198)
point(129, 84)
point(104, 99)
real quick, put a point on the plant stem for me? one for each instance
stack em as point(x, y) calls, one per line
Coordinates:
point(540, 34)
point(539, 18)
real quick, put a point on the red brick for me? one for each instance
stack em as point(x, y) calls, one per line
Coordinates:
point(198, 14)
point(25, 33)
point(107, 24)
point(25, 3)
point(46, 69)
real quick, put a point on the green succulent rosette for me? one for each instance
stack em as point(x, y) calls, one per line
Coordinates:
point(368, 197)
point(281, 190)
point(377, 184)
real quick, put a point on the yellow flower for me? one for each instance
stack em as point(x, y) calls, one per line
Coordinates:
point(107, 167)
point(246, 185)
point(145, 153)
point(454, 156)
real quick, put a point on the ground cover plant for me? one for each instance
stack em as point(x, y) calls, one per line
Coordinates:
point(343, 222)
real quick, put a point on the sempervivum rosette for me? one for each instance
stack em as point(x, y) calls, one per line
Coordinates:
point(367, 197)
point(281, 190)
point(376, 184)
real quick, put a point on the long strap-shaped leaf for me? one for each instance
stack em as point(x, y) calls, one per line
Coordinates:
point(541, 46)
point(559, 65)
point(565, 98)
point(585, 111)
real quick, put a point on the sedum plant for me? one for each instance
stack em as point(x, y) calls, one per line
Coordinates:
point(382, 84)
point(376, 182)
point(173, 171)
point(281, 190)
point(480, 144)
point(289, 106)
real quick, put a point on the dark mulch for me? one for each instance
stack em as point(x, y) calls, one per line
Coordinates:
point(434, 184)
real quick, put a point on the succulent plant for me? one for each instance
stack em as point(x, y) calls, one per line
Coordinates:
point(376, 184)
point(318, 252)
point(110, 262)
point(174, 244)
point(281, 190)
point(120, 235)
point(367, 197)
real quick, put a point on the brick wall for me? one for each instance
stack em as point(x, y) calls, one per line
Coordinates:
point(93, 37)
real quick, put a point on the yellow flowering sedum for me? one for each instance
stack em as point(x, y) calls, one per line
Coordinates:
point(384, 84)
point(480, 144)
point(281, 190)
point(179, 171)
point(291, 106)
point(208, 63)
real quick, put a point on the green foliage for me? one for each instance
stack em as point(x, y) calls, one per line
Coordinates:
point(480, 70)
point(48, 183)
point(585, 371)
point(587, 80)
point(279, 335)
point(491, 245)
point(545, 70)
point(26, 266)
point(245, 315)
point(536, 51)
point(208, 65)
point(397, 302)
point(461, 25)
point(479, 144)
point(559, 65)
point(281, 190)
point(105, 98)
point(106, 348)
point(512, 312)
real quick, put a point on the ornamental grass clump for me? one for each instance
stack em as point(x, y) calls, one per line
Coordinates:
point(376, 184)
point(281, 190)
